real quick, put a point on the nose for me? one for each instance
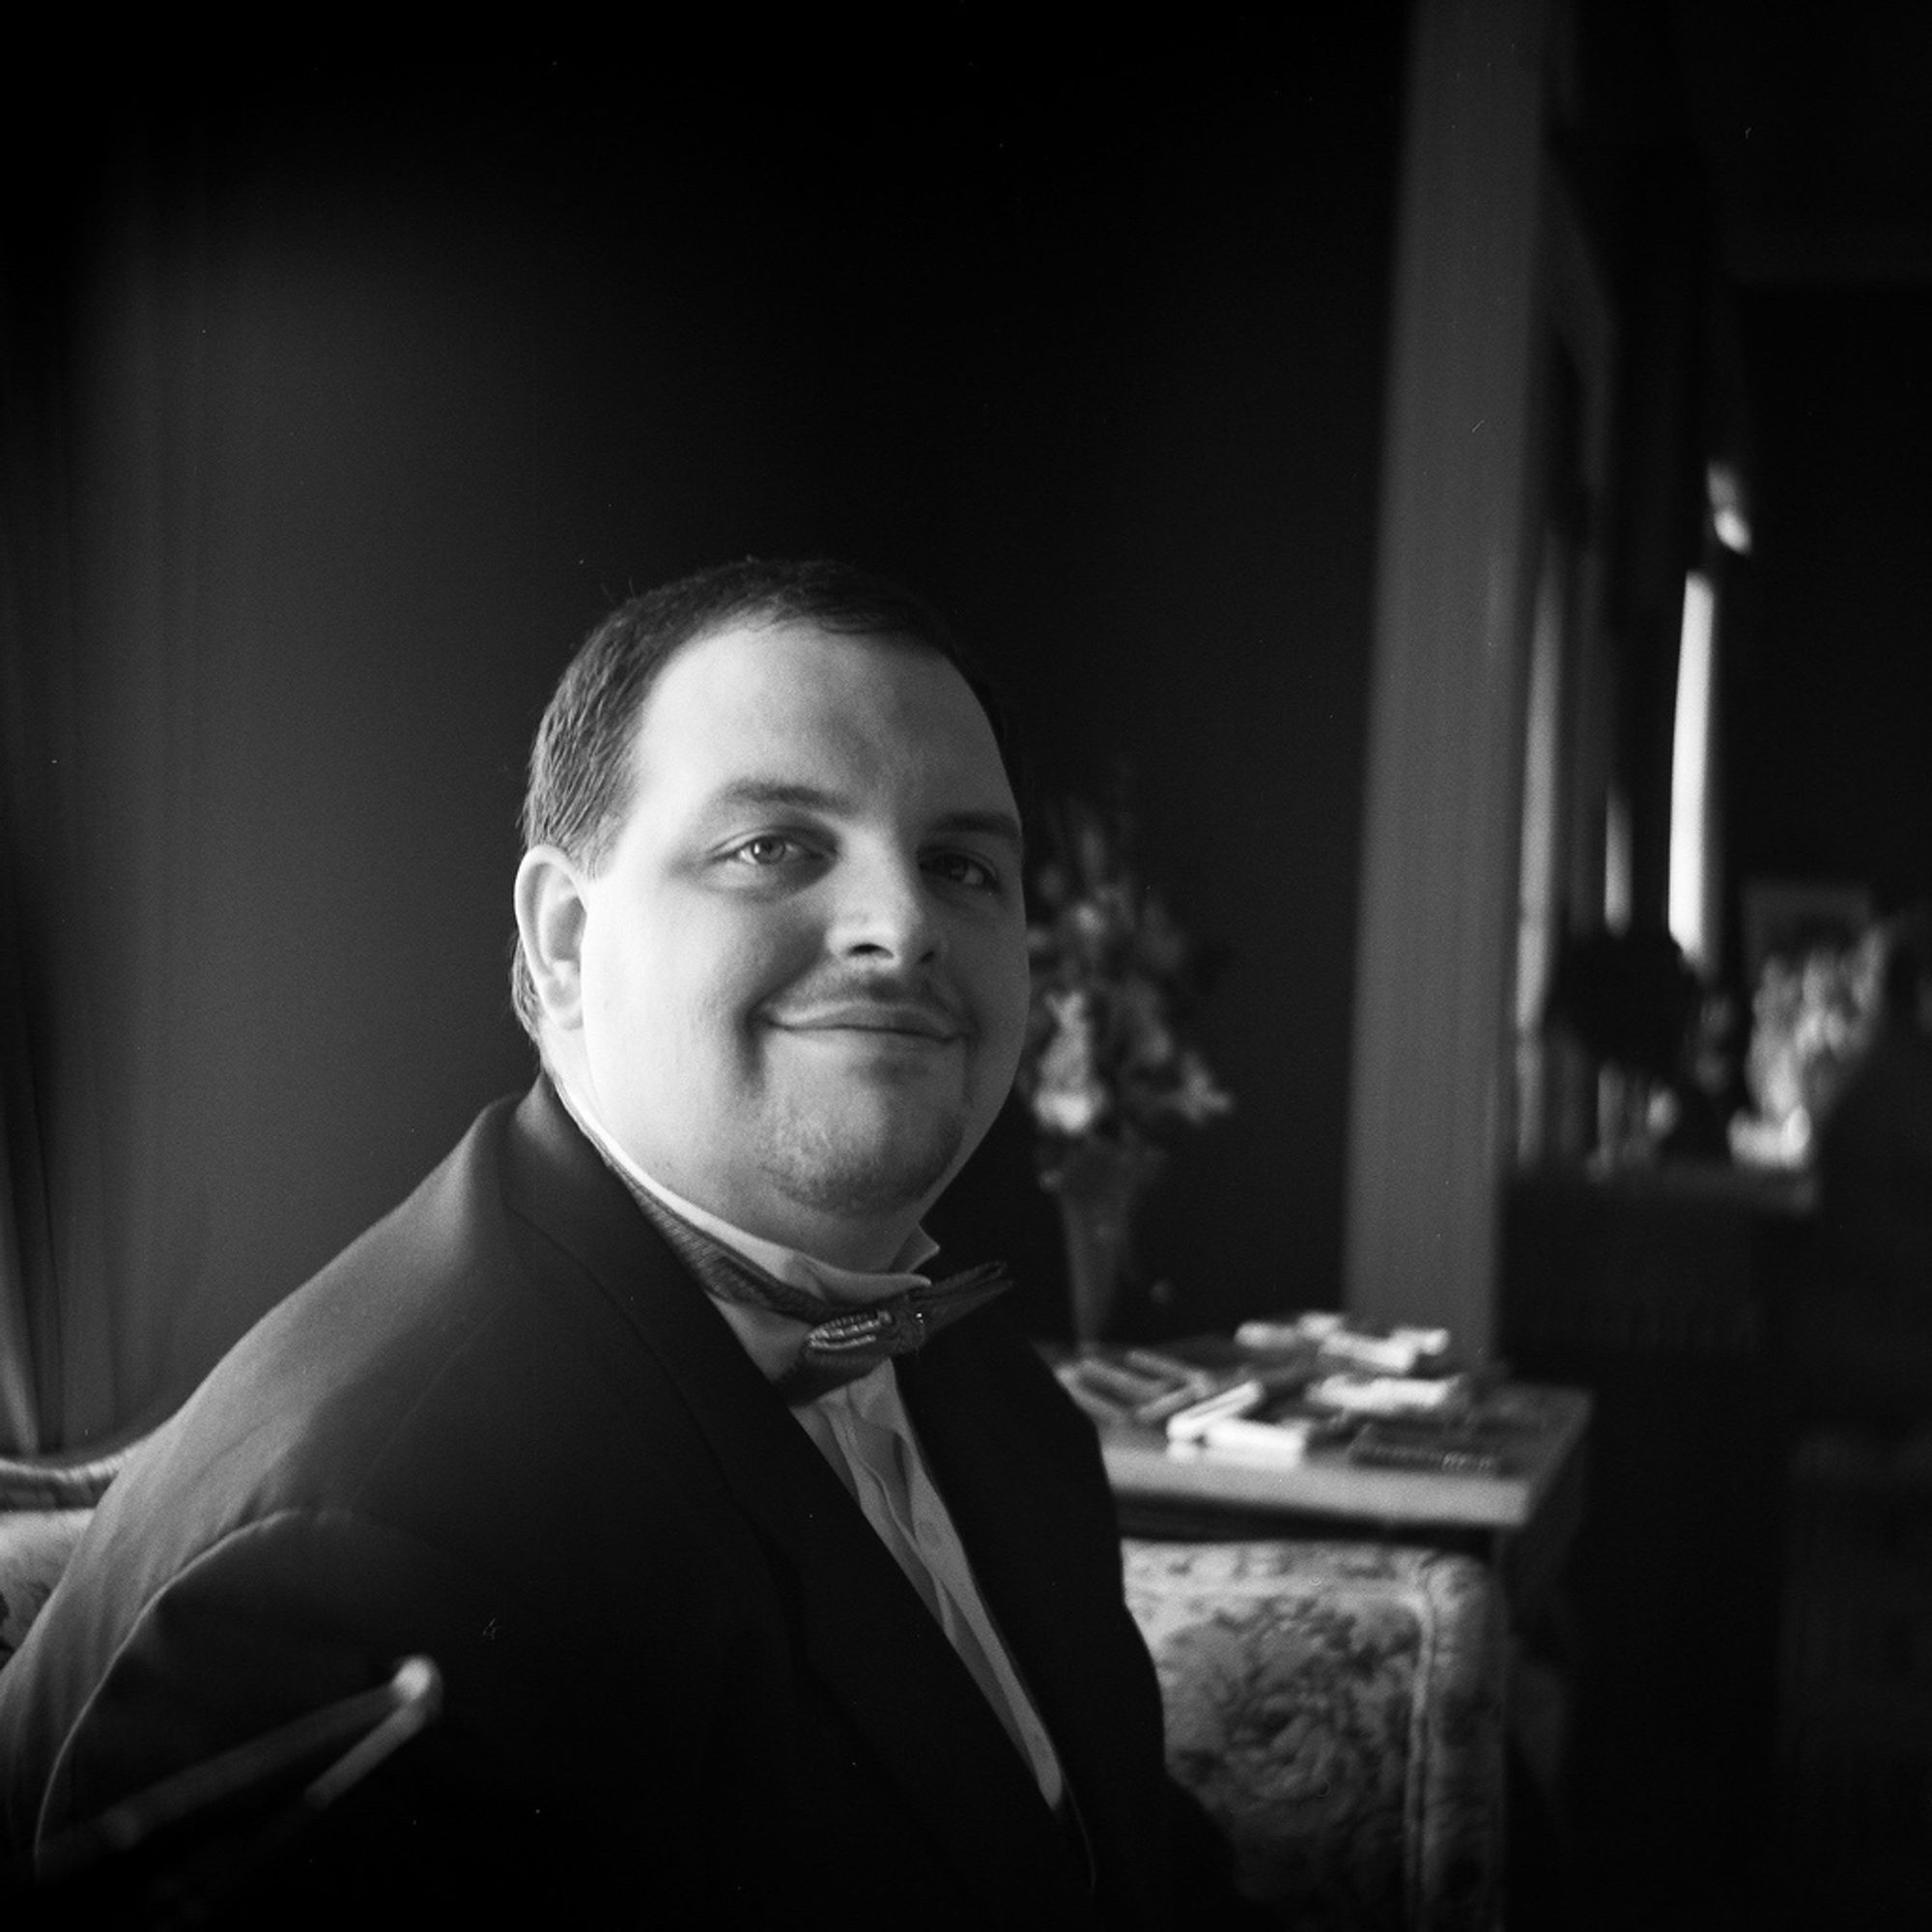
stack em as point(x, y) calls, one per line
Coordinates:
point(883, 911)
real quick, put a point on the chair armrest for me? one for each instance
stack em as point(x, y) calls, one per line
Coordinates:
point(1337, 1709)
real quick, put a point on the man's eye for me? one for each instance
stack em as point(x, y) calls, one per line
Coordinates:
point(961, 869)
point(768, 848)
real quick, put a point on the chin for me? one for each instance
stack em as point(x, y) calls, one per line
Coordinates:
point(893, 1166)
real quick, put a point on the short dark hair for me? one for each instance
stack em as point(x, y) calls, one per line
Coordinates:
point(581, 774)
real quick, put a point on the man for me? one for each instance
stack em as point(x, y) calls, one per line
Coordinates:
point(739, 1614)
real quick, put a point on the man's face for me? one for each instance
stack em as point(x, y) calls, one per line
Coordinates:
point(803, 965)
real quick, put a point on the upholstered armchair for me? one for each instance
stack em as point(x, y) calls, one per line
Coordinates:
point(1337, 1708)
point(45, 1502)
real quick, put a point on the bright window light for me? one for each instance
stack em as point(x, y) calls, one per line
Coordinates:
point(1535, 932)
point(1618, 864)
point(1690, 773)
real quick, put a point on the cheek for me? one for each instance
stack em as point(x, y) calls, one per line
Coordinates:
point(696, 973)
point(638, 993)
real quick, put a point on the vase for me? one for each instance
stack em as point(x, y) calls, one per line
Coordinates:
point(1099, 1186)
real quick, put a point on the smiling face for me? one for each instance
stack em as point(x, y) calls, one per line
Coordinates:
point(802, 972)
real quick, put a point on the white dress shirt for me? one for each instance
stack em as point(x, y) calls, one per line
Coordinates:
point(863, 1430)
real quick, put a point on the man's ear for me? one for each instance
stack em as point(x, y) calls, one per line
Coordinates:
point(551, 918)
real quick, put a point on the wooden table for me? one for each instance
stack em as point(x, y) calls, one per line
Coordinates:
point(1523, 1518)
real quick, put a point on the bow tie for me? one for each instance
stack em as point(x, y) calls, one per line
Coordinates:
point(834, 1348)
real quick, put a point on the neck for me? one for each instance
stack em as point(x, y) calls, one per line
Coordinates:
point(862, 1245)
point(862, 1249)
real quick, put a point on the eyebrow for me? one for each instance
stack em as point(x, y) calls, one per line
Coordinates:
point(769, 793)
point(1000, 825)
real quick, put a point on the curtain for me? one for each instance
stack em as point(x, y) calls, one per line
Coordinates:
point(98, 363)
point(32, 719)
point(269, 681)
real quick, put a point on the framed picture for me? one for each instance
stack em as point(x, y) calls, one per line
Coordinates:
point(1790, 919)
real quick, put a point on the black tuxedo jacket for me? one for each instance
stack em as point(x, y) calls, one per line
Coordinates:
point(507, 1429)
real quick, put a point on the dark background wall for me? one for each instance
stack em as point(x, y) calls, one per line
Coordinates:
point(373, 390)
point(1831, 756)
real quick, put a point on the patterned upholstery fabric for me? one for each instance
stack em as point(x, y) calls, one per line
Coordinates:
point(1337, 1708)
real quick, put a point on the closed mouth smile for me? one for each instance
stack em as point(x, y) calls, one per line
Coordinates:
point(920, 1022)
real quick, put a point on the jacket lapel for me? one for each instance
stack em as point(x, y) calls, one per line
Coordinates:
point(1025, 1487)
point(862, 1626)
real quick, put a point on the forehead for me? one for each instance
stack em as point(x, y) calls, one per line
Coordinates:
point(792, 701)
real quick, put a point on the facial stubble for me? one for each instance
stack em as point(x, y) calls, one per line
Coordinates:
point(859, 1159)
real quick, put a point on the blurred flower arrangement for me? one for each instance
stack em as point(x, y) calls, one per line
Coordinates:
point(1108, 1071)
point(1115, 982)
point(1809, 1018)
